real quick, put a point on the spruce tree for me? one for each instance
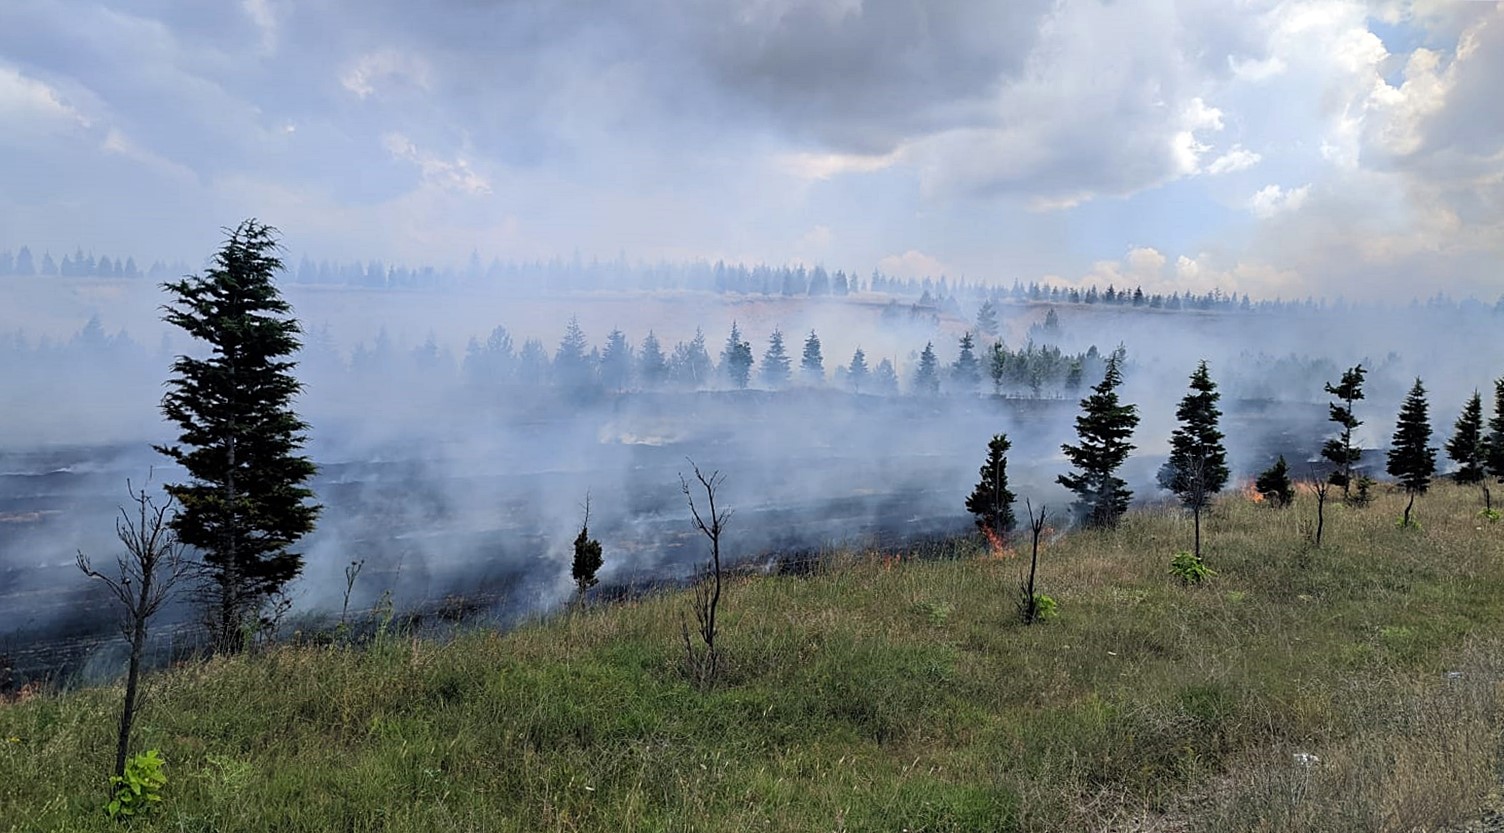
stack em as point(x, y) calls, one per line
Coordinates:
point(1467, 446)
point(245, 505)
point(967, 371)
point(987, 320)
point(1340, 449)
point(1104, 427)
point(991, 501)
point(736, 359)
point(1197, 468)
point(1411, 461)
point(1495, 455)
point(652, 365)
point(1274, 484)
point(812, 365)
point(927, 376)
point(856, 372)
point(885, 378)
point(775, 362)
point(616, 362)
point(572, 367)
point(587, 556)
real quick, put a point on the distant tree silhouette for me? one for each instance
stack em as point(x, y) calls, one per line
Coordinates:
point(856, 372)
point(652, 366)
point(616, 362)
point(736, 359)
point(775, 362)
point(690, 366)
point(987, 323)
point(927, 375)
point(967, 371)
point(812, 365)
point(572, 369)
point(885, 378)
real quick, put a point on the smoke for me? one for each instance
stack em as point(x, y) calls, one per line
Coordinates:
point(449, 485)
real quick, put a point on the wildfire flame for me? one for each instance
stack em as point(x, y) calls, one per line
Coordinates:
point(997, 548)
point(1252, 493)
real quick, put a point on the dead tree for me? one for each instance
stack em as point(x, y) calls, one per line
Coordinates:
point(703, 663)
point(151, 565)
point(1322, 486)
point(1029, 601)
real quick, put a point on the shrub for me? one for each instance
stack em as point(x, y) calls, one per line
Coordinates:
point(1189, 568)
point(139, 788)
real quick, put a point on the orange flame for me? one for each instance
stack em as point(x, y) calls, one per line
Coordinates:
point(997, 547)
point(1251, 492)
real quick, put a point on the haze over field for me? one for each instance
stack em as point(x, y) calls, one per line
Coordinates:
point(871, 172)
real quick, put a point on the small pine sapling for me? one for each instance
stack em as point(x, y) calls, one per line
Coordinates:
point(587, 556)
point(1274, 484)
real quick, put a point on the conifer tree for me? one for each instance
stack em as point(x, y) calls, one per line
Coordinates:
point(1104, 427)
point(736, 359)
point(967, 371)
point(616, 362)
point(885, 378)
point(690, 365)
point(927, 376)
point(1197, 468)
point(652, 365)
point(856, 372)
point(991, 501)
point(587, 556)
point(1467, 447)
point(812, 365)
point(1495, 454)
point(1274, 484)
point(245, 505)
point(775, 362)
point(987, 320)
point(1411, 461)
point(1340, 449)
point(572, 369)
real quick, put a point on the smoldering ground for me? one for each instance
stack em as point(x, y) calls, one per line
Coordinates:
point(446, 488)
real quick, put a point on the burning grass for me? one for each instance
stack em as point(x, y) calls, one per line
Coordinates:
point(1356, 687)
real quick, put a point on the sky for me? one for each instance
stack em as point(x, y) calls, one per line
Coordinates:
point(1293, 148)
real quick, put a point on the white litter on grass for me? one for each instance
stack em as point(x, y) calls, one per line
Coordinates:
point(1306, 759)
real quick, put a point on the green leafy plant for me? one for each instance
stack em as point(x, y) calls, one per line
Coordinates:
point(1490, 515)
point(139, 788)
point(1189, 568)
point(1045, 607)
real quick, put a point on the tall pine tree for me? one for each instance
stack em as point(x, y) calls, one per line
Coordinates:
point(736, 359)
point(775, 362)
point(856, 372)
point(245, 505)
point(1495, 455)
point(1340, 450)
point(991, 501)
point(1197, 468)
point(1104, 428)
point(1467, 447)
point(967, 371)
point(1411, 461)
point(927, 375)
point(812, 365)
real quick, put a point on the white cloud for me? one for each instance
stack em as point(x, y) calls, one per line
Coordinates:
point(260, 13)
point(912, 264)
point(822, 166)
point(374, 69)
point(25, 100)
point(1238, 158)
point(455, 175)
point(1272, 200)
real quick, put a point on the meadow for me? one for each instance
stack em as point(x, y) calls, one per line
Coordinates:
point(1352, 687)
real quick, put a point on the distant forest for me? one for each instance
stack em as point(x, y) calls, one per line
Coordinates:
point(561, 276)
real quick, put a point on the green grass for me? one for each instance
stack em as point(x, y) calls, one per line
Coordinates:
point(880, 694)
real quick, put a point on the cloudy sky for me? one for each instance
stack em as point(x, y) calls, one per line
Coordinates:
point(1279, 148)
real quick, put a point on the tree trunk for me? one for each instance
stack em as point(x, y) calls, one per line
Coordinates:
point(1196, 514)
point(133, 674)
point(1408, 507)
point(1320, 516)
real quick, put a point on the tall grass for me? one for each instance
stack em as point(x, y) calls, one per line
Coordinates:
point(879, 693)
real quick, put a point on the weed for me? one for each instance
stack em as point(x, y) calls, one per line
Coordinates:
point(1189, 568)
point(139, 788)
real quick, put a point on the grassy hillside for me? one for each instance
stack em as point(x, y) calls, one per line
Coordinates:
point(883, 693)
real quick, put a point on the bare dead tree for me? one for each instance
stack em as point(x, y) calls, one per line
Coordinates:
point(1323, 486)
point(1029, 602)
point(352, 572)
point(703, 663)
point(150, 567)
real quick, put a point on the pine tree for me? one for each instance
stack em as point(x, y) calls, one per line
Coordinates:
point(736, 359)
point(690, 366)
point(1495, 455)
point(885, 378)
point(616, 362)
point(1197, 468)
point(1274, 484)
point(1104, 427)
point(1467, 447)
point(652, 365)
point(991, 501)
point(987, 320)
point(1411, 461)
point(245, 504)
point(967, 371)
point(856, 372)
point(775, 362)
point(587, 556)
point(812, 365)
point(572, 370)
point(1340, 449)
point(927, 376)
